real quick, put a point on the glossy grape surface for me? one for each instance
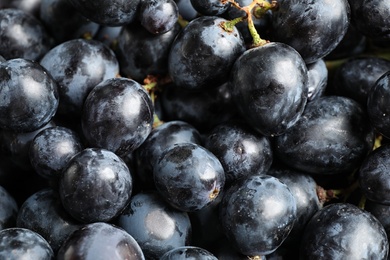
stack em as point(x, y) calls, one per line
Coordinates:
point(95, 185)
point(36, 91)
point(270, 101)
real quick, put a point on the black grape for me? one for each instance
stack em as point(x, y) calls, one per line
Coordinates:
point(22, 35)
point(155, 225)
point(370, 17)
point(21, 243)
point(36, 91)
point(343, 231)
point(377, 104)
point(241, 151)
point(332, 136)
point(257, 214)
point(160, 139)
point(95, 185)
point(43, 213)
point(51, 149)
point(270, 101)
point(188, 176)
point(100, 240)
point(318, 79)
point(374, 175)
point(117, 115)
point(77, 66)
point(203, 53)
point(158, 16)
point(210, 7)
point(313, 28)
point(186, 10)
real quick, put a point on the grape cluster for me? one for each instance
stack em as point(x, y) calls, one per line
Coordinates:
point(194, 129)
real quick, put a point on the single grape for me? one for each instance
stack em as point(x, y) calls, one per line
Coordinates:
point(158, 17)
point(343, 231)
point(332, 136)
point(35, 90)
point(77, 66)
point(377, 108)
point(21, 243)
point(95, 185)
point(100, 241)
point(257, 213)
point(117, 115)
point(203, 53)
point(188, 176)
point(318, 79)
point(155, 225)
point(313, 28)
point(44, 214)
point(270, 101)
point(22, 35)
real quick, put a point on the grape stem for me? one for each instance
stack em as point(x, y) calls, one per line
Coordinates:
point(151, 86)
point(257, 8)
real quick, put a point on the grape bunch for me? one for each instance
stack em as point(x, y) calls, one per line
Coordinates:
point(194, 129)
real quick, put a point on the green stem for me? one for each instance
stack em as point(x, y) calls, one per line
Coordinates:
point(229, 25)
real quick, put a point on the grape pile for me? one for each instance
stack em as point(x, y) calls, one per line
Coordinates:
point(194, 129)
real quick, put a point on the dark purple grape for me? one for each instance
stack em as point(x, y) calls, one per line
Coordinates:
point(95, 185)
point(210, 7)
point(64, 22)
point(77, 66)
point(104, 12)
point(318, 79)
point(370, 17)
point(355, 77)
point(381, 212)
point(377, 104)
point(332, 136)
point(117, 115)
point(188, 253)
point(188, 176)
point(21, 243)
point(108, 35)
point(100, 241)
point(16, 145)
point(51, 149)
point(8, 209)
point(270, 101)
point(241, 151)
point(304, 189)
point(158, 16)
point(160, 139)
point(203, 53)
point(155, 226)
point(22, 35)
point(204, 109)
point(44, 214)
point(374, 175)
point(313, 28)
point(35, 91)
point(141, 53)
point(257, 214)
point(343, 231)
